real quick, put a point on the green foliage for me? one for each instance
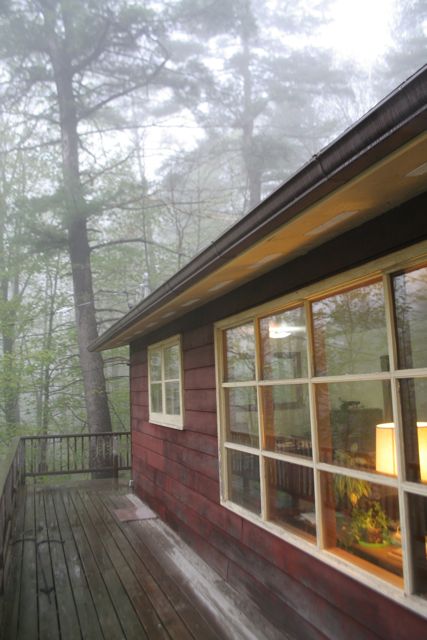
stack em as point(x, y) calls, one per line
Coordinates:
point(370, 524)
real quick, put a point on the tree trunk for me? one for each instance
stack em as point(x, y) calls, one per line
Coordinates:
point(98, 414)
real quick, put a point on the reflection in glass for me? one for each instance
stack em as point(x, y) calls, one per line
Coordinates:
point(363, 519)
point(410, 297)
point(240, 353)
point(171, 355)
point(350, 332)
point(156, 397)
point(242, 416)
point(290, 490)
point(172, 398)
point(155, 365)
point(243, 480)
point(413, 394)
point(284, 345)
point(348, 414)
point(418, 520)
point(286, 419)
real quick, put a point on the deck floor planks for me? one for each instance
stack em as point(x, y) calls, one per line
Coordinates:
point(109, 579)
point(133, 576)
point(28, 606)
point(112, 567)
point(86, 611)
point(66, 606)
point(46, 594)
point(133, 533)
point(107, 617)
point(150, 582)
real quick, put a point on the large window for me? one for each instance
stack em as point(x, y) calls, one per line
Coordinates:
point(164, 377)
point(323, 421)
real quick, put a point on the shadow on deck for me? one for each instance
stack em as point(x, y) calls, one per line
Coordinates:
point(91, 561)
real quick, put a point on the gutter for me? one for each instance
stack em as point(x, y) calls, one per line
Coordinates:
point(396, 120)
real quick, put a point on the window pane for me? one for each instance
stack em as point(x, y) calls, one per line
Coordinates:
point(242, 416)
point(290, 490)
point(354, 421)
point(172, 398)
point(240, 353)
point(410, 295)
point(172, 362)
point(156, 398)
point(362, 519)
point(243, 480)
point(413, 394)
point(155, 365)
point(284, 345)
point(286, 416)
point(350, 332)
point(418, 519)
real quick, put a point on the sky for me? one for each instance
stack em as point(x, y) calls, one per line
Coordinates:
point(360, 29)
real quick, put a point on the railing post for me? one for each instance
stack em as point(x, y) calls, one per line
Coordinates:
point(115, 457)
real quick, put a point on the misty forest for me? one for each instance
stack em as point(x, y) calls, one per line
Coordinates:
point(133, 133)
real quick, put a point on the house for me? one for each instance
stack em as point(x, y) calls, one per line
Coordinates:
point(279, 389)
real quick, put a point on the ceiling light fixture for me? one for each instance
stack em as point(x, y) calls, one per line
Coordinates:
point(264, 260)
point(220, 285)
point(331, 223)
point(190, 302)
point(419, 171)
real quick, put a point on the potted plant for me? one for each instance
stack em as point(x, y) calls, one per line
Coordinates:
point(370, 526)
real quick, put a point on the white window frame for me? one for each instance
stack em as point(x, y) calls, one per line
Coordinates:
point(382, 268)
point(174, 421)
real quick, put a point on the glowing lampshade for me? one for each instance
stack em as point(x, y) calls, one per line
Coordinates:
point(385, 460)
point(422, 449)
point(385, 456)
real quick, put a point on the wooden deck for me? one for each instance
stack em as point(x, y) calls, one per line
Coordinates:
point(81, 569)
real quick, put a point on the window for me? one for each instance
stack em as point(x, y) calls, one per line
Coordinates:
point(323, 421)
point(165, 375)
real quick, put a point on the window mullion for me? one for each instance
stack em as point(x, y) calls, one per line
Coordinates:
point(261, 425)
point(408, 573)
point(313, 424)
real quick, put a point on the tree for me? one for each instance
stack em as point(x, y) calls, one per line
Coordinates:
point(72, 60)
point(268, 81)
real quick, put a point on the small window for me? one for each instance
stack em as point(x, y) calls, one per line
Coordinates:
point(165, 383)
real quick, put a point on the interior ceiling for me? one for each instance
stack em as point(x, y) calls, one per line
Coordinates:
point(383, 186)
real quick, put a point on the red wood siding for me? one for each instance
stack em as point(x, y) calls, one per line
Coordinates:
point(176, 472)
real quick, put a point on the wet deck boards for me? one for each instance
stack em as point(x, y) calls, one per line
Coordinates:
point(79, 572)
point(90, 562)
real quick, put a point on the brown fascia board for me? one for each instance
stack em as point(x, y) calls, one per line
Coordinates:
point(397, 119)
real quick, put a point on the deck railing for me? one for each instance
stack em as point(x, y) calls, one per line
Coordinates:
point(76, 453)
point(31, 456)
point(11, 477)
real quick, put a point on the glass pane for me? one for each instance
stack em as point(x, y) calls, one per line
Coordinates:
point(355, 425)
point(242, 416)
point(290, 490)
point(155, 366)
point(172, 362)
point(286, 415)
point(156, 397)
point(362, 518)
point(240, 353)
point(413, 394)
point(284, 345)
point(410, 295)
point(243, 480)
point(418, 520)
point(172, 398)
point(350, 332)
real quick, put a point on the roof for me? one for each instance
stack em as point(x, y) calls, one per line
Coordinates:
point(375, 165)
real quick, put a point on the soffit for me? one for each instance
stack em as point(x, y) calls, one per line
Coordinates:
point(374, 191)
